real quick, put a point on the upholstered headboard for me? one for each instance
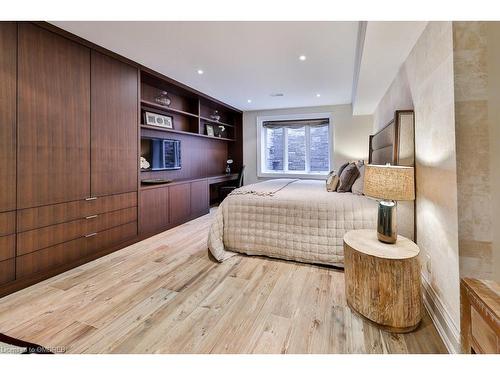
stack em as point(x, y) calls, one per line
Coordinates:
point(395, 142)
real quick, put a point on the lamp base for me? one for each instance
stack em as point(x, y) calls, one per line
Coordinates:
point(387, 222)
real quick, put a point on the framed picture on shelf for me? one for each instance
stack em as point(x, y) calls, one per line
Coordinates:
point(210, 130)
point(155, 119)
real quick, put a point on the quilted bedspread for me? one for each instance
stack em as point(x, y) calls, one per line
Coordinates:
point(289, 219)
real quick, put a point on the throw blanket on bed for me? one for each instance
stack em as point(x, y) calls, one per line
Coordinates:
point(267, 188)
point(289, 219)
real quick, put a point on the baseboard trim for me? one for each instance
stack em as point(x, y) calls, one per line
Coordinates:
point(441, 318)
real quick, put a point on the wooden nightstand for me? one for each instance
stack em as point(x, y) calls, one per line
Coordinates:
point(382, 281)
point(480, 316)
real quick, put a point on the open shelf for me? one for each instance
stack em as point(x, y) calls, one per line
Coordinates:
point(184, 132)
point(160, 107)
point(216, 122)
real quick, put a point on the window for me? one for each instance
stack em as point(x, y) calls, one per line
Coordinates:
point(298, 146)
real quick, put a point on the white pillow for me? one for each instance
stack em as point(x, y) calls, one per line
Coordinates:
point(357, 187)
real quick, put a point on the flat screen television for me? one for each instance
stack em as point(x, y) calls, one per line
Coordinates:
point(164, 154)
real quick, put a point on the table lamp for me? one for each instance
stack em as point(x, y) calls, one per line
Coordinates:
point(388, 183)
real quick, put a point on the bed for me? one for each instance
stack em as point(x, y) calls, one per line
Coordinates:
point(298, 219)
point(289, 219)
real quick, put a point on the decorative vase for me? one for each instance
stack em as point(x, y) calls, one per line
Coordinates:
point(215, 116)
point(163, 99)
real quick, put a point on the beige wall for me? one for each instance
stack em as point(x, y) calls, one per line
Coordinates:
point(493, 35)
point(476, 119)
point(425, 83)
point(350, 135)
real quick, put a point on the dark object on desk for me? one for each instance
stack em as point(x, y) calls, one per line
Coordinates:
point(154, 181)
point(228, 166)
point(480, 316)
point(225, 190)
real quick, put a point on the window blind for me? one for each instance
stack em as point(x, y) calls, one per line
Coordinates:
point(295, 123)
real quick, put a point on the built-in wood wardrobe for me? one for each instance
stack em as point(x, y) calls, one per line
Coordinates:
point(70, 135)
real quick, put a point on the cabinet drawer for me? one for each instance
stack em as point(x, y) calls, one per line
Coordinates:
point(50, 257)
point(33, 218)
point(37, 239)
point(7, 223)
point(482, 334)
point(7, 247)
point(111, 237)
point(7, 271)
point(71, 251)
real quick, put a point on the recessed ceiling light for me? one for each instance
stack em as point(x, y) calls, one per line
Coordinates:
point(200, 72)
point(318, 95)
point(249, 100)
point(302, 57)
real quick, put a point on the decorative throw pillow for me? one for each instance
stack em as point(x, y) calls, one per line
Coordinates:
point(332, 181)
point(347, 178)
point(341, 168)
point(357, 187)
point(360, 163)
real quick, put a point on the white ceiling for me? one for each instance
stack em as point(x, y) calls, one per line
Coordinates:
point(240, 60)
point(386, 47)
point(252, 60)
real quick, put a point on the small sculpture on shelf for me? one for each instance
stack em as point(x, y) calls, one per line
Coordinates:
point(228, 166)
point(215, 116)
point(144, 163)
point(222, 131)
point(163, 99)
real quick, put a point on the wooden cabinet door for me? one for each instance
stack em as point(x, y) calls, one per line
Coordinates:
point(8, 72)
point(199, 198)
point(114, 129)
point(53, 118)
point(180, 203)
point(154, 210)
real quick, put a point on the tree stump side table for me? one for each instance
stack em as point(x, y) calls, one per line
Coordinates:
point(382, 281)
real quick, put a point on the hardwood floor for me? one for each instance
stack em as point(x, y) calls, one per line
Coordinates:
point(165, 295)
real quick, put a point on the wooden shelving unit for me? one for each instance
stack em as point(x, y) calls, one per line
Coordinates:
point(158, 128)
point(162, 108)
point(215, 122)
point(190, 110)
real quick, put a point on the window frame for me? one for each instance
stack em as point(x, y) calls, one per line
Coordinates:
point(262, 147)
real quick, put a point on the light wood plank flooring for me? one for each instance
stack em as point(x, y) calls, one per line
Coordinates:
point(166, 295)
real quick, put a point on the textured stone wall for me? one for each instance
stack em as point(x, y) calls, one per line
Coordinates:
point(425, 84)
point(472, 73)
point(297, 149)
point(319, 149)
point(452, 81)
point(275, 147)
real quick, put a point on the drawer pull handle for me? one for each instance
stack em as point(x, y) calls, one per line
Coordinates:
point(90, 235)
point(91, 198)
point(91, 217)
